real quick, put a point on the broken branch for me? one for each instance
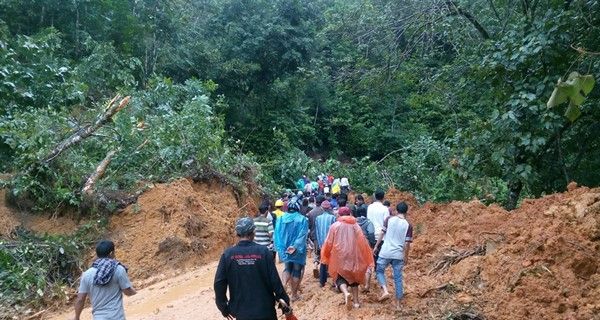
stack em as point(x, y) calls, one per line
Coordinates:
point(111, 109)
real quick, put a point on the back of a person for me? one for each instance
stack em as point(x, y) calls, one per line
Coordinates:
point(245, 273)
point(368, 230)
point(323, 223)
point(377, 212)
point(289, 228)
point(107, 300)
point(395, 238)
point(263, 228)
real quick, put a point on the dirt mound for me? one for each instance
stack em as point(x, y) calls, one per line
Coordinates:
point(539, 261)
point(395, 196)
point(41, 223)
point(175, 226)
point(8, 220)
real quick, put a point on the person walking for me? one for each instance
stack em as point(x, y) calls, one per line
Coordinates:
point(290, 242)
point(248, 272)
point(359, 202)
point(312, 215)
point(322, 224)
point(278, 212)
point(369, 232)
point(105, 283)
point(347, 254)
point(396, 236)
point(264, 228)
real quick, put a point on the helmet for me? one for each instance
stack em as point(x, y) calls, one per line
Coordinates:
point(293, 205)
point(279, 203)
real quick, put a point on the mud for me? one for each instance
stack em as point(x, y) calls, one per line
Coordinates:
point(540, 261)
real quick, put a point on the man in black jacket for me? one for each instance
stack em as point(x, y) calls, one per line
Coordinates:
point(249, 271)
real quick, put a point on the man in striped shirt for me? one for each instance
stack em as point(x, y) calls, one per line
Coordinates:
point(264, 228)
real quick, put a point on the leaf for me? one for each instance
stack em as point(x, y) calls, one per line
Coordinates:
point(559, 95)
point(573, 112)
point(587, 83)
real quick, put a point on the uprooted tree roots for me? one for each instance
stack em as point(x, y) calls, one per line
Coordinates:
point(453, 257)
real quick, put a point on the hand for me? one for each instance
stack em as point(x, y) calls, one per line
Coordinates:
point(227, 316)
point(290, 250)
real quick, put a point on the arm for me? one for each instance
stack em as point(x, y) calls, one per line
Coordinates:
point(129, 291)
point(408, 240)
point(79, 304)
point(300, 242)
point(220, 286)
point(276, 285)
point(124, 282)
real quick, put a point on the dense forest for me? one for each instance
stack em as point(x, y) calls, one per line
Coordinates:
point(447, 99)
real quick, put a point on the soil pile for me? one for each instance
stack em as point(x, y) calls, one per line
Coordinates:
point(177, 225)
point(8, 220)
point(469, 261)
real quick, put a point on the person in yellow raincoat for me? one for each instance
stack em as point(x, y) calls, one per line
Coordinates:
point(348, 255)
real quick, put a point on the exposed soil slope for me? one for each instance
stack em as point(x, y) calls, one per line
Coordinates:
point(175, 226)
point(468, 261)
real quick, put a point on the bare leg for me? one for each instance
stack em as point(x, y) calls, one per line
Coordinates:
point(295, 285)
point(286, 278)
point(347, 300)
point(355, 296)
point(368, 280)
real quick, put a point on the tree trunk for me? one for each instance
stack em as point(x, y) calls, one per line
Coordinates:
point(88, 188)
point(514, 188)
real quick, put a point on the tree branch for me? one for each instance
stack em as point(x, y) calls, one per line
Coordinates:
point(98, 173)
point(456, 10)
point(87, 131)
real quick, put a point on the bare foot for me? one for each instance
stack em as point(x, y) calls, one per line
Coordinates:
point(384, 297)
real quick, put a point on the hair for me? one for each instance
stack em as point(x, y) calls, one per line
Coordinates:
point(402, 207)
point(311, 199)
point(387, 203)
point(104, 248)
point(320, 199)
point(343, 196)
point(263, 208)
point(361, 212)
point(305, 201)
point(342, 202)
point(359, 197)
point(379, 194)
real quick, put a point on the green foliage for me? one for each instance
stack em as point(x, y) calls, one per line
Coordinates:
point(35, 269)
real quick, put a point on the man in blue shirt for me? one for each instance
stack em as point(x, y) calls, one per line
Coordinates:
point(291, 232)
point(322, 224)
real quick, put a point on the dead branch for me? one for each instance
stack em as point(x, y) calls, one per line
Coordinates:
point(111, 109)
point(446, 287)
point(98, 173)
point(36, 315)
point(455, 9)
point(454, 256)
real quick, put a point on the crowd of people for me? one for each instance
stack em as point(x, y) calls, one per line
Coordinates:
point(346, 241)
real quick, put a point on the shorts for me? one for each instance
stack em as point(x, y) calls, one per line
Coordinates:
point(294, 269)
point(340, 281)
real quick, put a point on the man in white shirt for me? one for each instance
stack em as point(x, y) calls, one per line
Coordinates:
point(377, 212)
point(345, 185)
point(397, 233)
